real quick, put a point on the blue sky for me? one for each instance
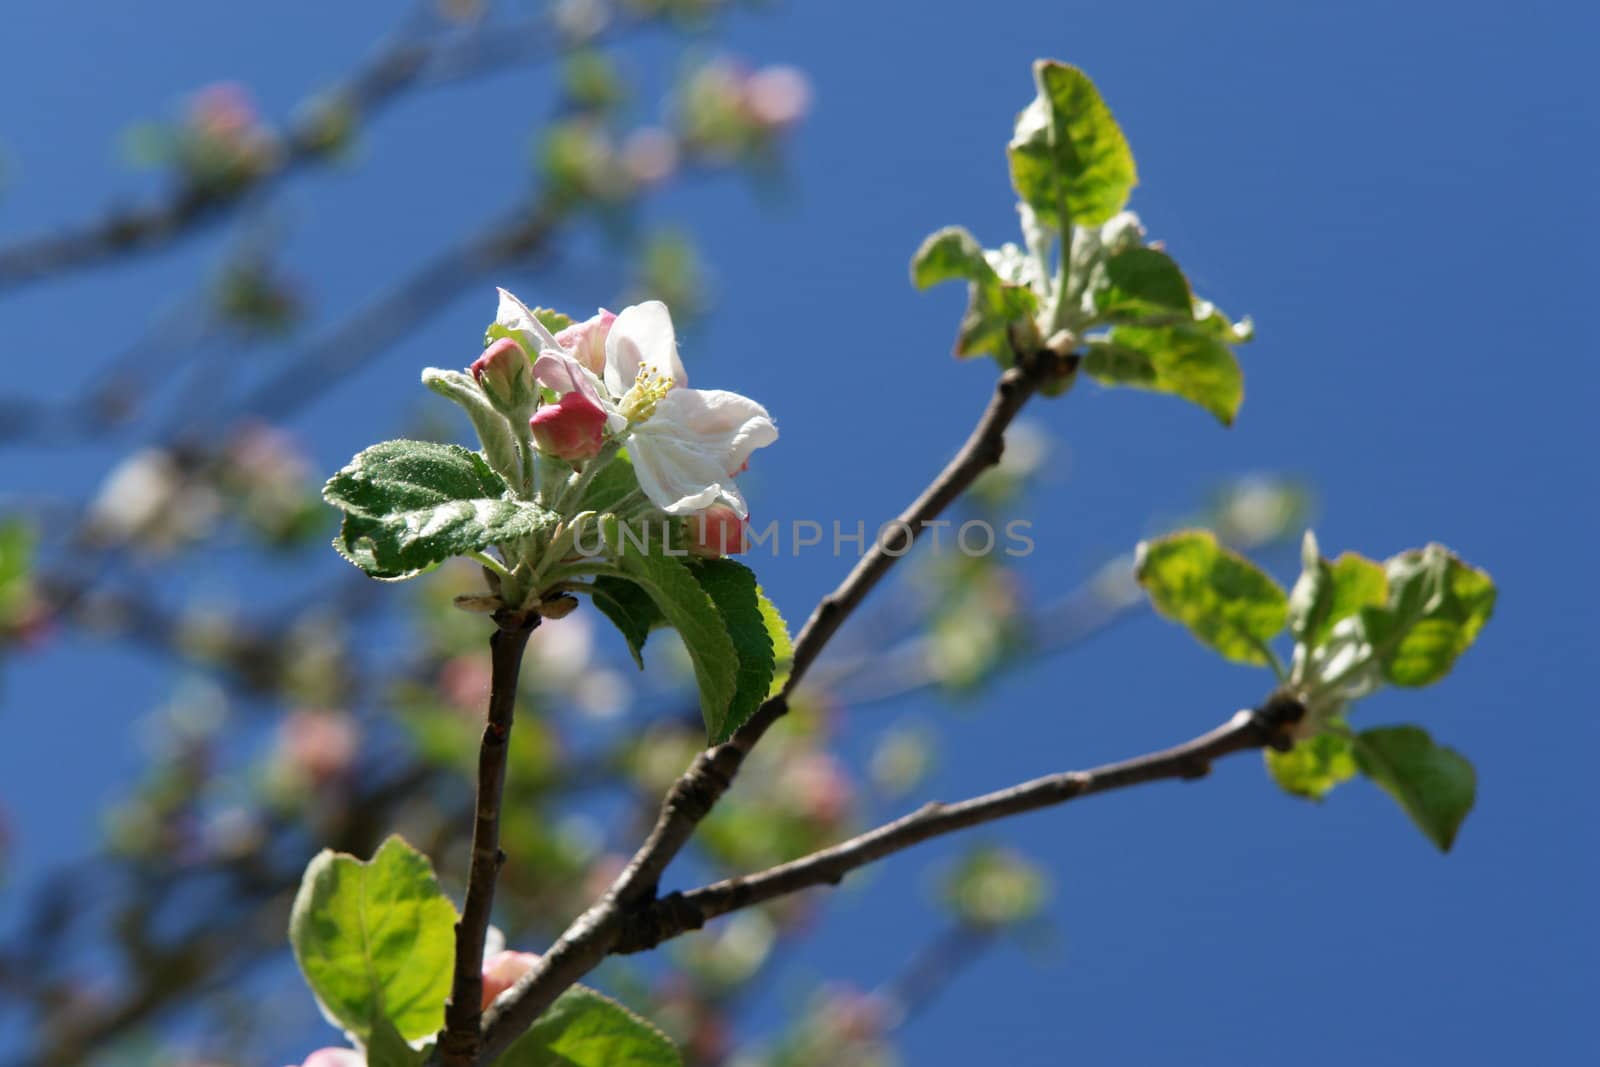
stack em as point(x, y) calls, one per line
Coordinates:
point(1402, 196)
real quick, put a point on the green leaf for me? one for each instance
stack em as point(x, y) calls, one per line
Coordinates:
point(1327, 592)
point(687, 609)
point(1314, 765)
point(993, 304)
point(1223, 598)
point(16, 563)
point(1180, 360)
point(386, 1048)
point(410, 505)
point(1436, 606)
point(1209, 319)
point(732, 588)
point(1142, 282)
point(1068, 151)
point(1434, 784)
point(375, 940)
point(607, 488)
point(630, 609)
point(494, 431)
point(584, 1029)
point(782, 645)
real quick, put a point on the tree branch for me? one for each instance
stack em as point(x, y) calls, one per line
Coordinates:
point(458, 1041)
point(677, 913)
point(592, 936)
point(404, 64)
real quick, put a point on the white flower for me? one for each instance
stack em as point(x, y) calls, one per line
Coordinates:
point(686, 444)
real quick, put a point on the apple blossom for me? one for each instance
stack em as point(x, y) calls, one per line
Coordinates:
point(686, 444)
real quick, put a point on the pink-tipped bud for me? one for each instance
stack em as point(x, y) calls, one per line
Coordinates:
point(717, 531)
point(502, 971)
point(572, 428)
point(507, 378)
point(587, 340)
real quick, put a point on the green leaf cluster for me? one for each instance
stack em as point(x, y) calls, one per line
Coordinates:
point(411, 505)
point(1357, 624)
point(375, 941)
point(1125, 306)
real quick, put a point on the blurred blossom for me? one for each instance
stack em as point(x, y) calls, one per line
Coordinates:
point(902, 759)
point(852, 1015)
point(731, 951)
point(818, 784)
point(727, 113)
point(317, 747)
point(233, 831)
point(1258, 510)
point(147, 501)
point(579, 20)
point(602, 694)
point(270, 482)
point(223, 110)
point(225, 145)
point(777, 96)
point(602, 872)
point(995, 887)
point(650, 154)
point(464, 682)
point(561, 650)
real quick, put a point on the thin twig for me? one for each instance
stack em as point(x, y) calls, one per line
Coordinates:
point(593, 934)
point(678, 913)
point(403, 65)
point(458, 1041)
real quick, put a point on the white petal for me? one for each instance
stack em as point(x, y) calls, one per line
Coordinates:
point(725, 424)
point(514, 315)
point(642, 336)
point(676, 474)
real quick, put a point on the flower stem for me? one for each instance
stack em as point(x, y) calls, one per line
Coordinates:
point(459, 1040)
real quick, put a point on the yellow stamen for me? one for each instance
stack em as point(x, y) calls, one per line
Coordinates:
point(649, 387)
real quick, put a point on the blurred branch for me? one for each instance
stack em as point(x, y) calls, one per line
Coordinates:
point(406, 63)
point(668, 917)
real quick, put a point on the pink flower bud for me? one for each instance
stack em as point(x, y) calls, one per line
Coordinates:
point(572, 428)
point(717, 531)
point(502, 971)
point(507, 378)
point(587, 340)
point(317, 746)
